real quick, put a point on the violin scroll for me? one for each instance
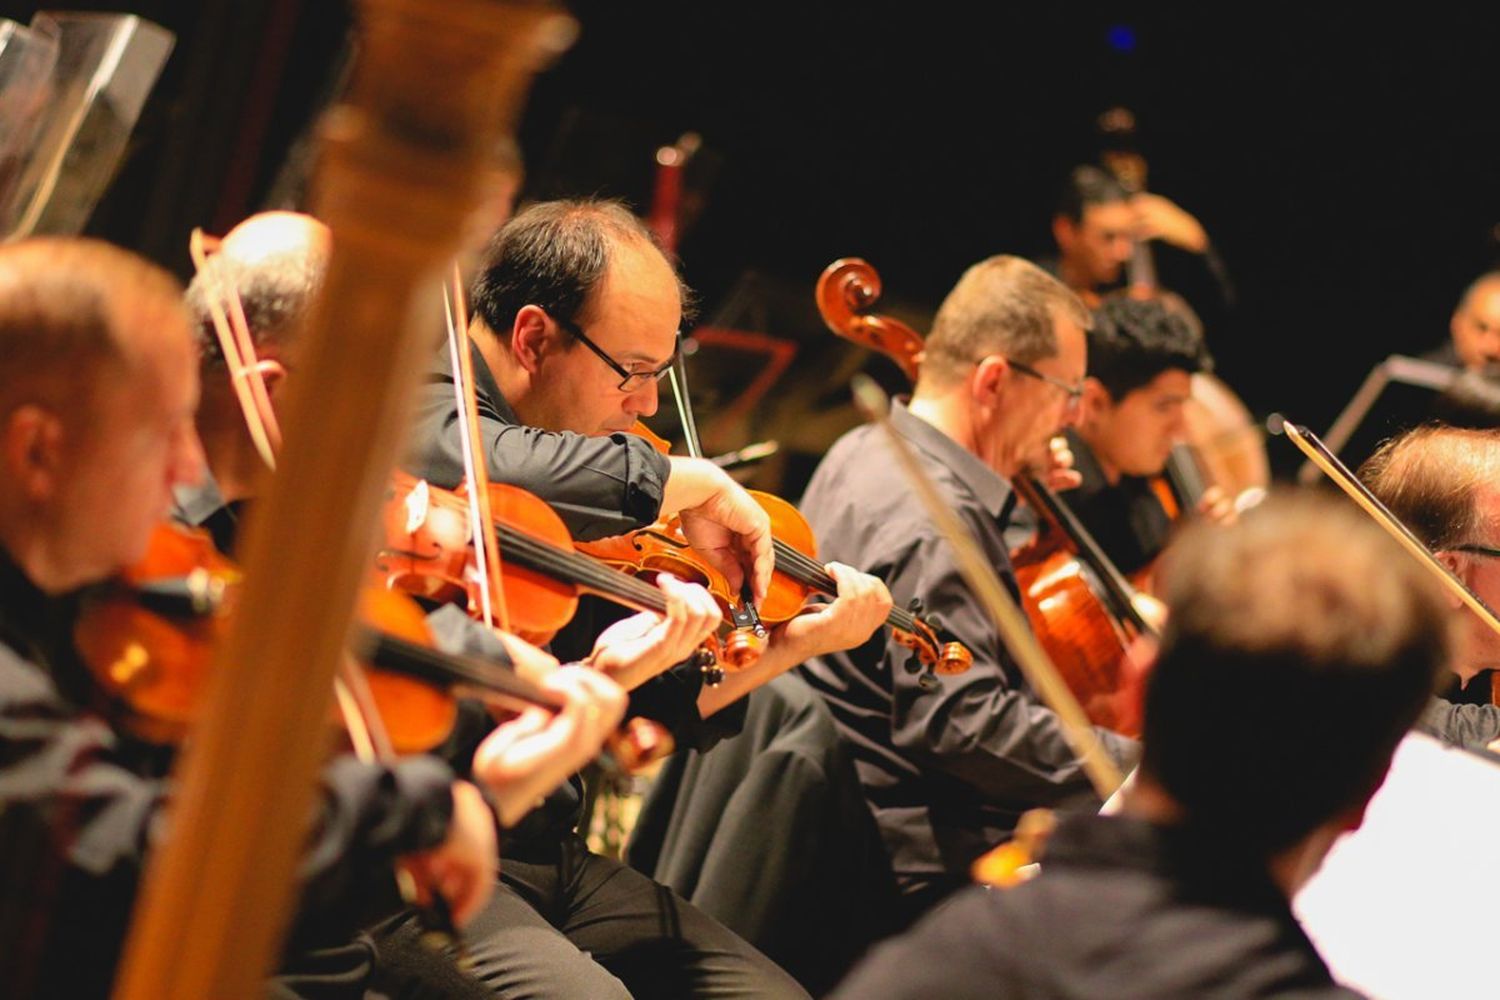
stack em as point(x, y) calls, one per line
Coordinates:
point(847, 290)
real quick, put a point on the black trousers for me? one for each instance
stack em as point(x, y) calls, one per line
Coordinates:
point(568, 923)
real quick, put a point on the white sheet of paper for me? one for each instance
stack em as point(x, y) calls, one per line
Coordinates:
point(1406, 907)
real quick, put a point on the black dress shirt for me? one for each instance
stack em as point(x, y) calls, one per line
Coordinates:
point(1126, 518)
point(1121, 909)
point(947, 765)
point(79, 801)
point(600, 486)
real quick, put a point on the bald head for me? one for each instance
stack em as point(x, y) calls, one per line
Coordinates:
point(1476, 322)
point(275, 262)
point(1435, 480)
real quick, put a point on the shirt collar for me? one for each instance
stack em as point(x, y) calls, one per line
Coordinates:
point(987, 485)
point(196, 504)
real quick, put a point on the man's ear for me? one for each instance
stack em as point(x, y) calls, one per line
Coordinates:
point(31, 444)
point(986, 383)
point(530, 339)
point(1064, 232)
point(1097, 402)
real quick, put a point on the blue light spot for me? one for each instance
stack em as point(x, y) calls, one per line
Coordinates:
point(1121, 37)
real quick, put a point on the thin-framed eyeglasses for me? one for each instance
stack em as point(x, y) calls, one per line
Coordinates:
point(630, 381)
point(1074, 392)
point(1477, 550)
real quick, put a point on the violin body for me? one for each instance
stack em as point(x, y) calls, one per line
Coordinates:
point(149, 641)
point(1090, 649)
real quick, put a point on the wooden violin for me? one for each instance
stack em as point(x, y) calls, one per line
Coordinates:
point(148, 639)
point(1083, 611)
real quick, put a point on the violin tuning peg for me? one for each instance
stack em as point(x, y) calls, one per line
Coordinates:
point(928, 681)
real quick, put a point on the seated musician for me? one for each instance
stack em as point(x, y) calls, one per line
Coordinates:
point(1253, 767)
point(949, 764)
point(274, 264)
point(1142, 357)
point(1474, 330)
point(1441, 482)
point(1098, 224)
point(575, 317)
point(98, 384)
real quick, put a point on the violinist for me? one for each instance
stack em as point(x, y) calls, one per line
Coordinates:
point(1302, 609)
point(98, 385)
point(1441, 483)
point(1097, 226)
point(1141, 360)
point(948, 765)
point(576, 317)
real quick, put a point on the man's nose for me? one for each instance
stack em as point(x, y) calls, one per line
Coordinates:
point(643, 402)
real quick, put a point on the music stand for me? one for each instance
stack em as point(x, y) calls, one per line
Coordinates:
point(1397, 395)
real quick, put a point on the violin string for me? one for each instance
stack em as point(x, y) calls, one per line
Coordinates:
point(580, 569)
point(807, 571)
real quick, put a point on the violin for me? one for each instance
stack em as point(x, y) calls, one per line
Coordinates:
point(148, 640)
point(1083, 611)
point(796, 573)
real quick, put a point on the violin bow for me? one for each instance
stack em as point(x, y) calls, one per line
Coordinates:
point(233, 332)
point(986, 586)
point(1318, 453)
point(476, 469)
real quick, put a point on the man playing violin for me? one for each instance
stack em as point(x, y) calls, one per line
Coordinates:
point(575, 319)
point(1253, 767)
point(949, 763)
point(98, 385)
point(1142, 357)
point(1441, 482)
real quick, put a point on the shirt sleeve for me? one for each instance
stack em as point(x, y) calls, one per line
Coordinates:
point(81, 810)
point(600, 486)
point(983, 726)
point(1473, 727)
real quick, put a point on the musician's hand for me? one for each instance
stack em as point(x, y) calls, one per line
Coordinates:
point(635, 649)
point(464, 866)
point(1156, 218)
point(851, 618)
point(1217, 507)
point(1057, 470)
point(525, 758)
point(528, 661)
point(722, 521)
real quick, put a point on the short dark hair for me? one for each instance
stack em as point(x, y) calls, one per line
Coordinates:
point(277, 292)
point(1133, 341)
point(1302, 645)
point(1087, 186)
point(553, 255)
point(1430, 478)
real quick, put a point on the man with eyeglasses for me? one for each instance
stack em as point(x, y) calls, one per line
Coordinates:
point(948, 764)
point(1444, 485)
point(575, 319)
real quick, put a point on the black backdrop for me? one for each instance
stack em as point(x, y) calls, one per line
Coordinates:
point(1344, 162)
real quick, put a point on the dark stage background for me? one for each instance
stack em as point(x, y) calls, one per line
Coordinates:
point(1344, 162)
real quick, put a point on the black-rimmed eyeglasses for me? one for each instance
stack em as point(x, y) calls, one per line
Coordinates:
point(1477, 550)
point(1075, 392)
point(630, 381)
